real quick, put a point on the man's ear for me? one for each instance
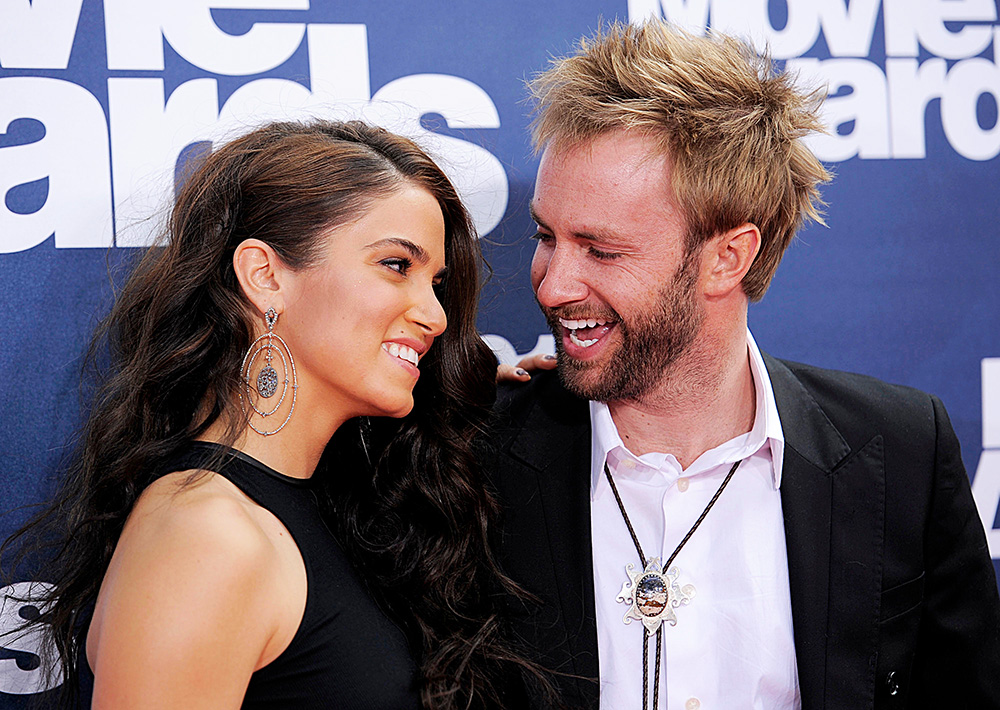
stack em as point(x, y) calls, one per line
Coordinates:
point(727, 257)
point(261, 273)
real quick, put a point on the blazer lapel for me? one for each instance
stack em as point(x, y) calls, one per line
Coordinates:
point(555, 442)
point(833, 504)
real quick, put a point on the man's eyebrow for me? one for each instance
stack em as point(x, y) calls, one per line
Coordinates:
point(534, 216)
point(417, 251)
point(586, 236)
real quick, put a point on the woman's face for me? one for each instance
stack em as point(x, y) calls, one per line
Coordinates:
point(359, 320)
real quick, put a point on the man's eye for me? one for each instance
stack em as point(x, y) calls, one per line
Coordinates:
point(604, 255)
point(542, 237)
point(398, 264)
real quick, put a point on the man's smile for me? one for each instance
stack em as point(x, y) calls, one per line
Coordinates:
point(586, 332)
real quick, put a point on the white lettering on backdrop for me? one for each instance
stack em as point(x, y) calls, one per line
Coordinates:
point(146, 131)
point(873, 112)
point(29, 663)
point(986, 484)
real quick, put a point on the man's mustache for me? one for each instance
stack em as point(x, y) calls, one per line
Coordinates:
point(578, 312)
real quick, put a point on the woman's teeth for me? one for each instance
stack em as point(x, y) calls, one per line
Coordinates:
point(574, 325)
point(403, 352)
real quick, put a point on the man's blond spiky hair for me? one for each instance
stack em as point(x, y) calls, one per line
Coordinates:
point(730, 126)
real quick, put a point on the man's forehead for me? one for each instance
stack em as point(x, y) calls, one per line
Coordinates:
point(621, 167)
point(618, 227)
point(625, 153)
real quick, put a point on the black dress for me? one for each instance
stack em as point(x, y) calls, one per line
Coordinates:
point(347, 654)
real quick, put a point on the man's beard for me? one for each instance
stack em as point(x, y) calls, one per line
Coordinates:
point(650, 343)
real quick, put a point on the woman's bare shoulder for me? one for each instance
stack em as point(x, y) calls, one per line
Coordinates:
point(199, 504)
point(190, 592)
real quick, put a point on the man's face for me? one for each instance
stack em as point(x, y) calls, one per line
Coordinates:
point(610, 270)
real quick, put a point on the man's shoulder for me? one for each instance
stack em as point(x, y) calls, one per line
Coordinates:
point(543, 401)
point(852, 397)
point(515, 400)
point(844, 383)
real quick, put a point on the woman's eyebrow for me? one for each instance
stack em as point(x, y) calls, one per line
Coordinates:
point(417, 251)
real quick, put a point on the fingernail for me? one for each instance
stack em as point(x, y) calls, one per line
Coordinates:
point(549, 357)
point(521, 372)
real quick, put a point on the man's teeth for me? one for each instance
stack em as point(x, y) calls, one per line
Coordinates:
point(403, 352)
point(576, 324)
point(581, 343)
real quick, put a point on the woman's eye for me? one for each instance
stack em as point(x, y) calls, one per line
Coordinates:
point(398, 264)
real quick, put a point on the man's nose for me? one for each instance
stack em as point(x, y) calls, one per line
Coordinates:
point(558, 276)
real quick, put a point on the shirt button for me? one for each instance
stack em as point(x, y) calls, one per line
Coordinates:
point(692, 704)
point(682, 485)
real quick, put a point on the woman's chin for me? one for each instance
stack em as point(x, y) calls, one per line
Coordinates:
point(397, 408)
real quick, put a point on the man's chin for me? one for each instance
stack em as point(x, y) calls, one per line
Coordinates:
point(584, 379)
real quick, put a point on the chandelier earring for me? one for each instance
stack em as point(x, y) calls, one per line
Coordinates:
point(264, 386)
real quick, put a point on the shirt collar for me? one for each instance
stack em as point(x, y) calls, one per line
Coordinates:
point(606, 443)
point(767, 424)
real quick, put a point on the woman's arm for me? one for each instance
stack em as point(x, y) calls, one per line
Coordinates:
point(191, 603)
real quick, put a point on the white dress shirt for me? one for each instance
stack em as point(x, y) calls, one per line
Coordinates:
point(732, 647)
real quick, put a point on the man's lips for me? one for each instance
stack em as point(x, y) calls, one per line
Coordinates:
point(586, 332)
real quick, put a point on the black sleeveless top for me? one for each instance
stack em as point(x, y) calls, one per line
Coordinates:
point(347, 654)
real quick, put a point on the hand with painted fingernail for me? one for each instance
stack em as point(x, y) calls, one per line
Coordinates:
point(528, 365)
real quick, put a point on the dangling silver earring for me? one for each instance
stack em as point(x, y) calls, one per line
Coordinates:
point(267, 378)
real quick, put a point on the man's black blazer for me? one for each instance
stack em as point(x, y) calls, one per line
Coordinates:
point(894, 598)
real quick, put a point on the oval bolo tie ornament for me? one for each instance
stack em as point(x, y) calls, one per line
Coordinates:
point(653, 595)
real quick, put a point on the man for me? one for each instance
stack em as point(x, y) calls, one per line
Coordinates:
point(817, 542)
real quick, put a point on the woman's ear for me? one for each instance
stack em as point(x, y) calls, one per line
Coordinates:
point(261, 273)
point(728, 257)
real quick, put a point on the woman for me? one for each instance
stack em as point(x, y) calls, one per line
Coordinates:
point(312, 276)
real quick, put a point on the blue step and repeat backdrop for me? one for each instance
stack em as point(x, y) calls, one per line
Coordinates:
point(101, 103)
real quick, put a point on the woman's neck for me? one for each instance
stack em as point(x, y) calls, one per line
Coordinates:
point(294, 451)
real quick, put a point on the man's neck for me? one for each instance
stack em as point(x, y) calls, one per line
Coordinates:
point(707, 398)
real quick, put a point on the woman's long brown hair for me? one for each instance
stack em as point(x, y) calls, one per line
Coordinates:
point(407, 503)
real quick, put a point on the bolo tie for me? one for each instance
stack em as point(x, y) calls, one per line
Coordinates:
point(652, 592)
